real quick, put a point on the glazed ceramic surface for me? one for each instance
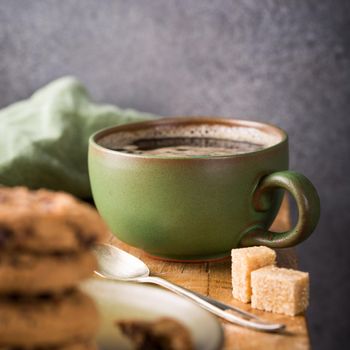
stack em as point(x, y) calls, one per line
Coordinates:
point(201, 207)
point(128, 301)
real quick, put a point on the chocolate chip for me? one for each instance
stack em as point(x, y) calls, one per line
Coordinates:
point(85, 240)
point(64, 256)
point(5, 235)
point(88, 241)
point(44, 296)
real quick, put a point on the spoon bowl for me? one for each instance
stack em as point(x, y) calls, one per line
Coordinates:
point(117, 264)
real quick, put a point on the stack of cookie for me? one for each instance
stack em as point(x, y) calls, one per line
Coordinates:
point(45, 241)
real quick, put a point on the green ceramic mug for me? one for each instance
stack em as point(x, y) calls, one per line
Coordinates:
point(198, 207)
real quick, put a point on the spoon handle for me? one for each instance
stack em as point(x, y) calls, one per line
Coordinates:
point(245, 319)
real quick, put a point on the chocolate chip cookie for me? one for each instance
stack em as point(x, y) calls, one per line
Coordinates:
point(46, 221)
point(162, 334)
point(45, 322)
point(26, 273)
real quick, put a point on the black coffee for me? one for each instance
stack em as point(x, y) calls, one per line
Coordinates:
point(189, 146)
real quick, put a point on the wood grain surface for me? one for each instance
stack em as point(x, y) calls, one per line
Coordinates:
point(214, 279)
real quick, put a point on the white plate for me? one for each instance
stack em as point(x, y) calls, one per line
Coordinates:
point(119, 300)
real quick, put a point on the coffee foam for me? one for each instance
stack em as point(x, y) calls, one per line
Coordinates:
point(237, 133)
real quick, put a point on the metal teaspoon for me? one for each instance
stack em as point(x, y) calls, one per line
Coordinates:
point(116, 264)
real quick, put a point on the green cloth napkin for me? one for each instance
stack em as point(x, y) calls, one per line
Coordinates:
point(44, 140)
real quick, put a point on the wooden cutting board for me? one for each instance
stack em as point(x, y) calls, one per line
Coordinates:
point(214, 279)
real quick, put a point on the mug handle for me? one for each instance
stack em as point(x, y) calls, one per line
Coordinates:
point(308, 204)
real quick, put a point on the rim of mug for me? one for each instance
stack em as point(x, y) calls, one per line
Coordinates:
point(148, 124)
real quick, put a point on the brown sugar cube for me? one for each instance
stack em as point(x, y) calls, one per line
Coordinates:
point(244, 261)
point(280, 290)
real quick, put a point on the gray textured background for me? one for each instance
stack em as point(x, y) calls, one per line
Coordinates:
point(284, 62)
